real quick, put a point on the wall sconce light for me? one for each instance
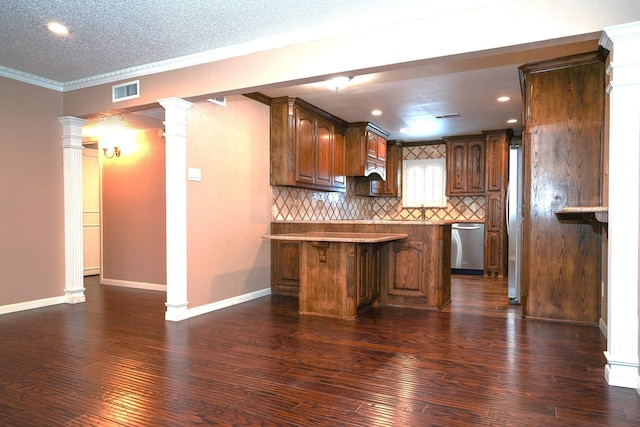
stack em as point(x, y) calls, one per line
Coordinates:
point(111, 152)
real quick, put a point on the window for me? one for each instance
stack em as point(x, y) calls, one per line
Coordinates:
point(423, 183)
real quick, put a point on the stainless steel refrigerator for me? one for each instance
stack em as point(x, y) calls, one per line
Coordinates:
point(514, 220)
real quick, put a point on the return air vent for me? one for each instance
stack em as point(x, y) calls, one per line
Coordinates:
point(125, 91)
point(448, 116)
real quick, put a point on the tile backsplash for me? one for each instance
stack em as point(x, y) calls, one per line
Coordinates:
point(296, 204)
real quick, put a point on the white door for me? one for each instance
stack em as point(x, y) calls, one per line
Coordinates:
point(91, 209)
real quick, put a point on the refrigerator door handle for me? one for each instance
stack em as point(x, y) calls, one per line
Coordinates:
point(506, 211)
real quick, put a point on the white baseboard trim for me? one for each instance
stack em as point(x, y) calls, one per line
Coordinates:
point(603, 328)
point(29, 305)
point(218, 305)
point(136, 285)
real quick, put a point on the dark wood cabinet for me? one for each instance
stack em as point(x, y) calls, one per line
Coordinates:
point(407, 270)
point(412, 272)
point(465, 165)
point(285, 257)
point(391, 186)
point(419, 268)
point(496, 181)
point(307, 146)
point(562, 152)
point(366, 150)
point(368, 274)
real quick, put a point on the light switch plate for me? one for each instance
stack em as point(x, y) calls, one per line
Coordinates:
point(194, 174)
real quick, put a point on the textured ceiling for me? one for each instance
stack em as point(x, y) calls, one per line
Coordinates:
point(111, 36)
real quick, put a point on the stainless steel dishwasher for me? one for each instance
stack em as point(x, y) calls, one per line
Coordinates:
point(467, 248)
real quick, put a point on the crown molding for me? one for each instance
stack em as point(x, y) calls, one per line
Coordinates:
point(32, 79)
point(200, 58)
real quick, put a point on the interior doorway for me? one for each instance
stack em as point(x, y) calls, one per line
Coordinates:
point(91, 214)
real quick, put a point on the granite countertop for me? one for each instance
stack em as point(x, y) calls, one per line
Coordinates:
point(344, 237)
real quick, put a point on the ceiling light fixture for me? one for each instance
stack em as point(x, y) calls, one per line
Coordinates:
point(512, 121)
point(376, 113)
point(504, 99)
point(338, 83)
point(447, 116)
point(57, 28)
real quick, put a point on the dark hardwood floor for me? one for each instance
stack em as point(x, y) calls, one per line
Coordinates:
point(114, 361)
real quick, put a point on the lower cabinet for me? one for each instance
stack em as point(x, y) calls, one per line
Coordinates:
point(285, 267)
point(413, 272)
point(406, 276)
point(419, 269)
point(368, 274)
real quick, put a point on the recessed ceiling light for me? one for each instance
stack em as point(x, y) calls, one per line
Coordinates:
point(376, 112)
point(504, 99)
point(57, 28)
point(512, 121)
point(405, 130)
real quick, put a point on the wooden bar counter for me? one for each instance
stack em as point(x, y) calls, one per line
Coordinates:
point(338, 268)
point(339, 271)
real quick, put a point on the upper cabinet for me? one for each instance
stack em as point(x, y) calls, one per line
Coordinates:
point(366, 150)
point(307, 146)
point(391, 186)
point(465, 165)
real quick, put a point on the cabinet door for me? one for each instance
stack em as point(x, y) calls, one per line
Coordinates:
point(362, 280)
point(381, 151)
point(493, 255)
point(497, 155)
point(457, 167)
point(339, 173)
point(392, 185)
point(305, 146)
point(375, 269)
point(372, 145)
point(324, 153)
point(475, 172)
point(285, 275)
point(495, 212)
point(368, 276)
point(408, 278)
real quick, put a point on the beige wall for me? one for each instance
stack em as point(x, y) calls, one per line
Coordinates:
point(133, 208)
point(228, 211)
point(31, 194)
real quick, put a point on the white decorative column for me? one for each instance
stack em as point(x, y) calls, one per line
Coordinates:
point(72, 164)
point(175, 125)
point(624, 204)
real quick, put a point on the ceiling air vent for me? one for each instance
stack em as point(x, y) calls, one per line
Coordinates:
point(125, 91)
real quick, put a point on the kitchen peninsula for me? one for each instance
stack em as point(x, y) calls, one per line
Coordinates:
point(338, 268)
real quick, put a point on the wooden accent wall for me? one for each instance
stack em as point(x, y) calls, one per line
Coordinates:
point(562, 141)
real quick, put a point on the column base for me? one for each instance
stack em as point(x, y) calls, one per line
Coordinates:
point(621, 374)
point(176, 312)
point(74, 296)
